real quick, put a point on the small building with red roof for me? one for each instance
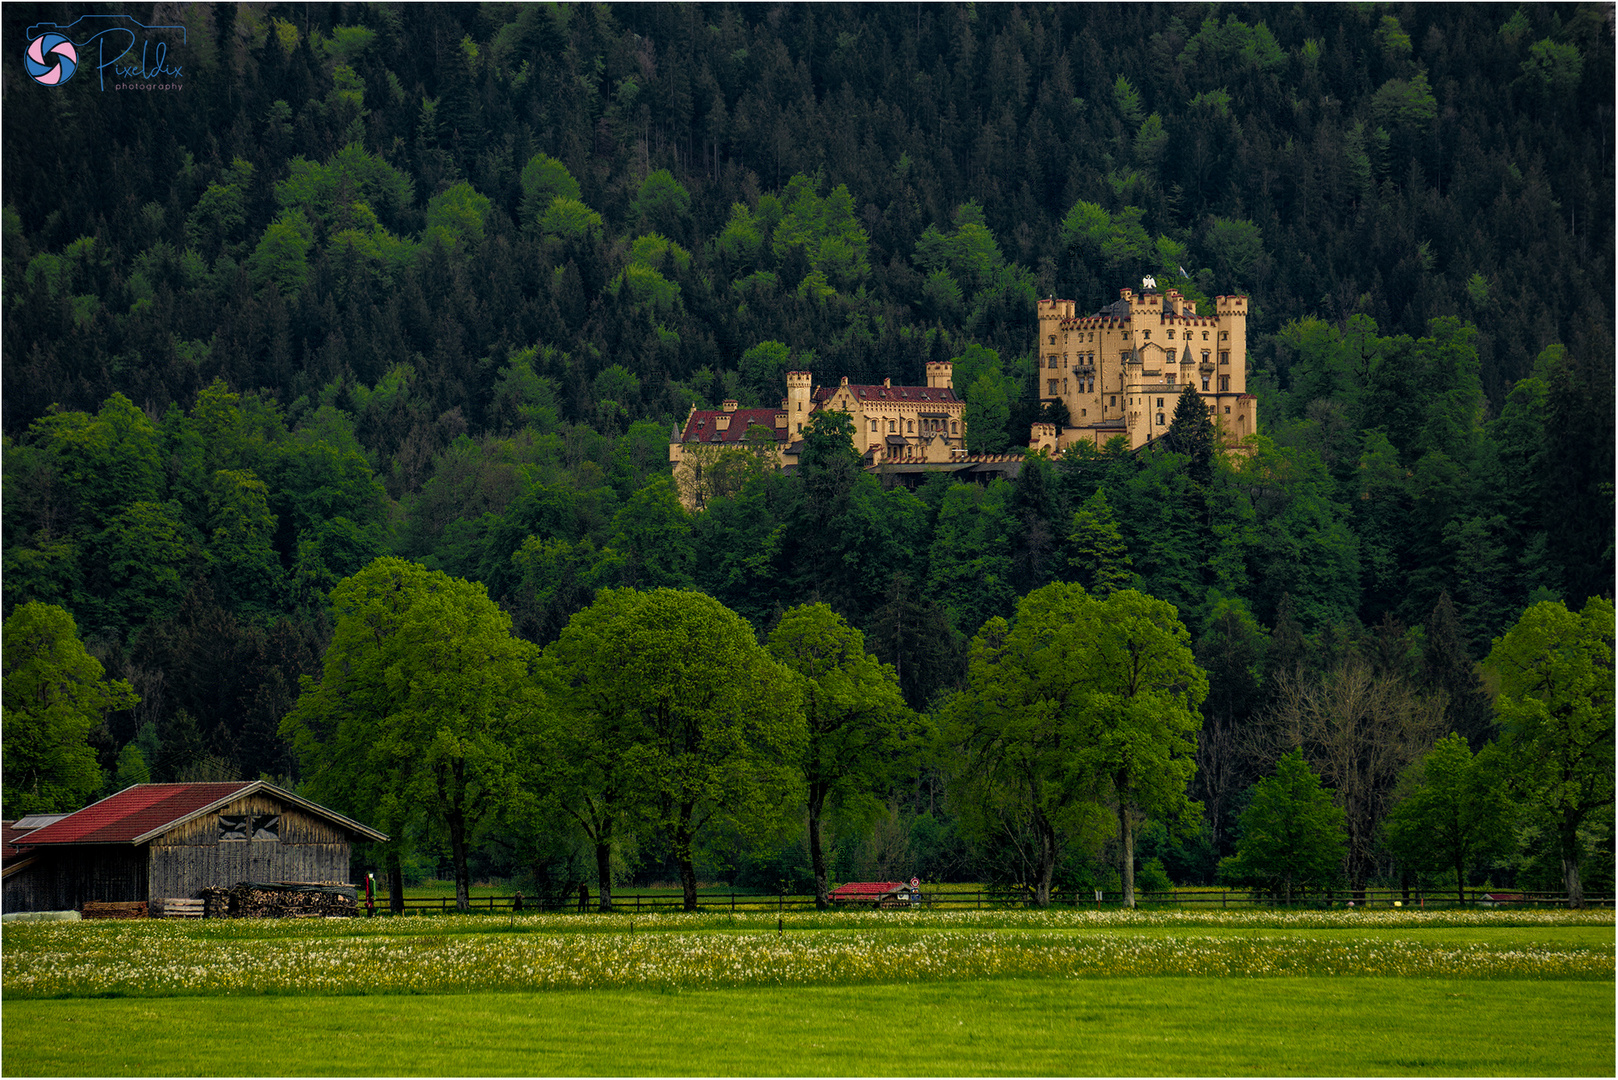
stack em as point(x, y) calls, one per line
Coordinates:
point(154, 841)
point(877, 893)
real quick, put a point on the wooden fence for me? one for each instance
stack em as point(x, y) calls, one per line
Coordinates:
point(946, 899)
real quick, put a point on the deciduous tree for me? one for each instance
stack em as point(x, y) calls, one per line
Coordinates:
point(856, 721)
point(424, 707)
point(1556, 707)
point(55, 695)
point(1077, 710)
point(1292, 835)
point(1457, 809)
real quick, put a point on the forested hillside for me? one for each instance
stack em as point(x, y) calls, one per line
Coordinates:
point(436, 281)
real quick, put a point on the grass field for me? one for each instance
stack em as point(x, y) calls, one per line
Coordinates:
point(844, 993)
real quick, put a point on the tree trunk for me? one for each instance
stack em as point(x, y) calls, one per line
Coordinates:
point(1047, 863)
point(604, 874)
point(1460, 883)
point(682, 852)
point(1126, 836)
point(395, 882)
point(457, 853)
point(1570, 867)
point(817, 859)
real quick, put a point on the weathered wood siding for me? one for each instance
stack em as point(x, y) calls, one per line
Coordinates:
point(62, 879)
point(186, 860)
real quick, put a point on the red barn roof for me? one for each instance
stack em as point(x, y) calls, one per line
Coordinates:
point(138, 813)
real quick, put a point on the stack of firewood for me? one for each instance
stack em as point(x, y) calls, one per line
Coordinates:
point(299, 900)
point(215, 903)
point(117, 909)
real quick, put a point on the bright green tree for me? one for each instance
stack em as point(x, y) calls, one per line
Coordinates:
point(54, 697)
point(687, 722)
point(1457, 810)
point(1099, 559)
point(1077, 710)
point(424, 708)
point(1292, 836)
point(1555, 706)
point(856, 720)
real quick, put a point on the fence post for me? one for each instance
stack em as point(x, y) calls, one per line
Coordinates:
point(1224, 899)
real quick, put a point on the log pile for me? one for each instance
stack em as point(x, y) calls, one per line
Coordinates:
point(97, 909)
point(284, 900)
point(215, 903)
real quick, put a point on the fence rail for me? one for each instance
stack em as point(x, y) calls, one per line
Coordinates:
point(942, 898)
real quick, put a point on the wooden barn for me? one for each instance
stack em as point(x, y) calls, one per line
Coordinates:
point(173, 840)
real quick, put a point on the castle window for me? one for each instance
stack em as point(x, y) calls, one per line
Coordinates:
point(1146, 335)
point(910, 427)
point(1171, 335)
point(1224, 382)
point(1050, 388)
point(1084, 412)
point(892, 426)
point(1227, 410)
point(1205, 335)
point(1171, 378)
point(800, 429)
point(1159, 403)
point(1224, 357)
point(1224, 335)
point(1053, 339)
point(1160, 419)
point(873, 427)
point(1205, 382)
point(1113, 401)
point(1050, 361)
point(1064, 386)
point(955, 427)
point(1206, 356)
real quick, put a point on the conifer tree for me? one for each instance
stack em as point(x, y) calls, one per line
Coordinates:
point(1100, 559)
point(1446, 665)
point(1192, 433)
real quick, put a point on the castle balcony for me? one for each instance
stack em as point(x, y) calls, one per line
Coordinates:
point(1206, 367)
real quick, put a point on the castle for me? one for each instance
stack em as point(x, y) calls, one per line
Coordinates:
point(1121, 370)
point(1118, 373)
point(892, 425)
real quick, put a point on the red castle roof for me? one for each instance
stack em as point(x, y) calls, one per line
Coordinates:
point(703, 425)
point(909, 394)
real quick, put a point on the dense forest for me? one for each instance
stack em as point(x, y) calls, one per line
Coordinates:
point(436, 281)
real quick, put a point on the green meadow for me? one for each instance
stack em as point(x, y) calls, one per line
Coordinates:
point(992, 993)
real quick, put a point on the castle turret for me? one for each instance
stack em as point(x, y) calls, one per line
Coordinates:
point(797, 402)
point(940, 375)
point(1232, 354)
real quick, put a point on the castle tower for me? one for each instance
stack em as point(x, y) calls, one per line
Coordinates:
point(940, 374)
point(797, 402)
point(1231, 359)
